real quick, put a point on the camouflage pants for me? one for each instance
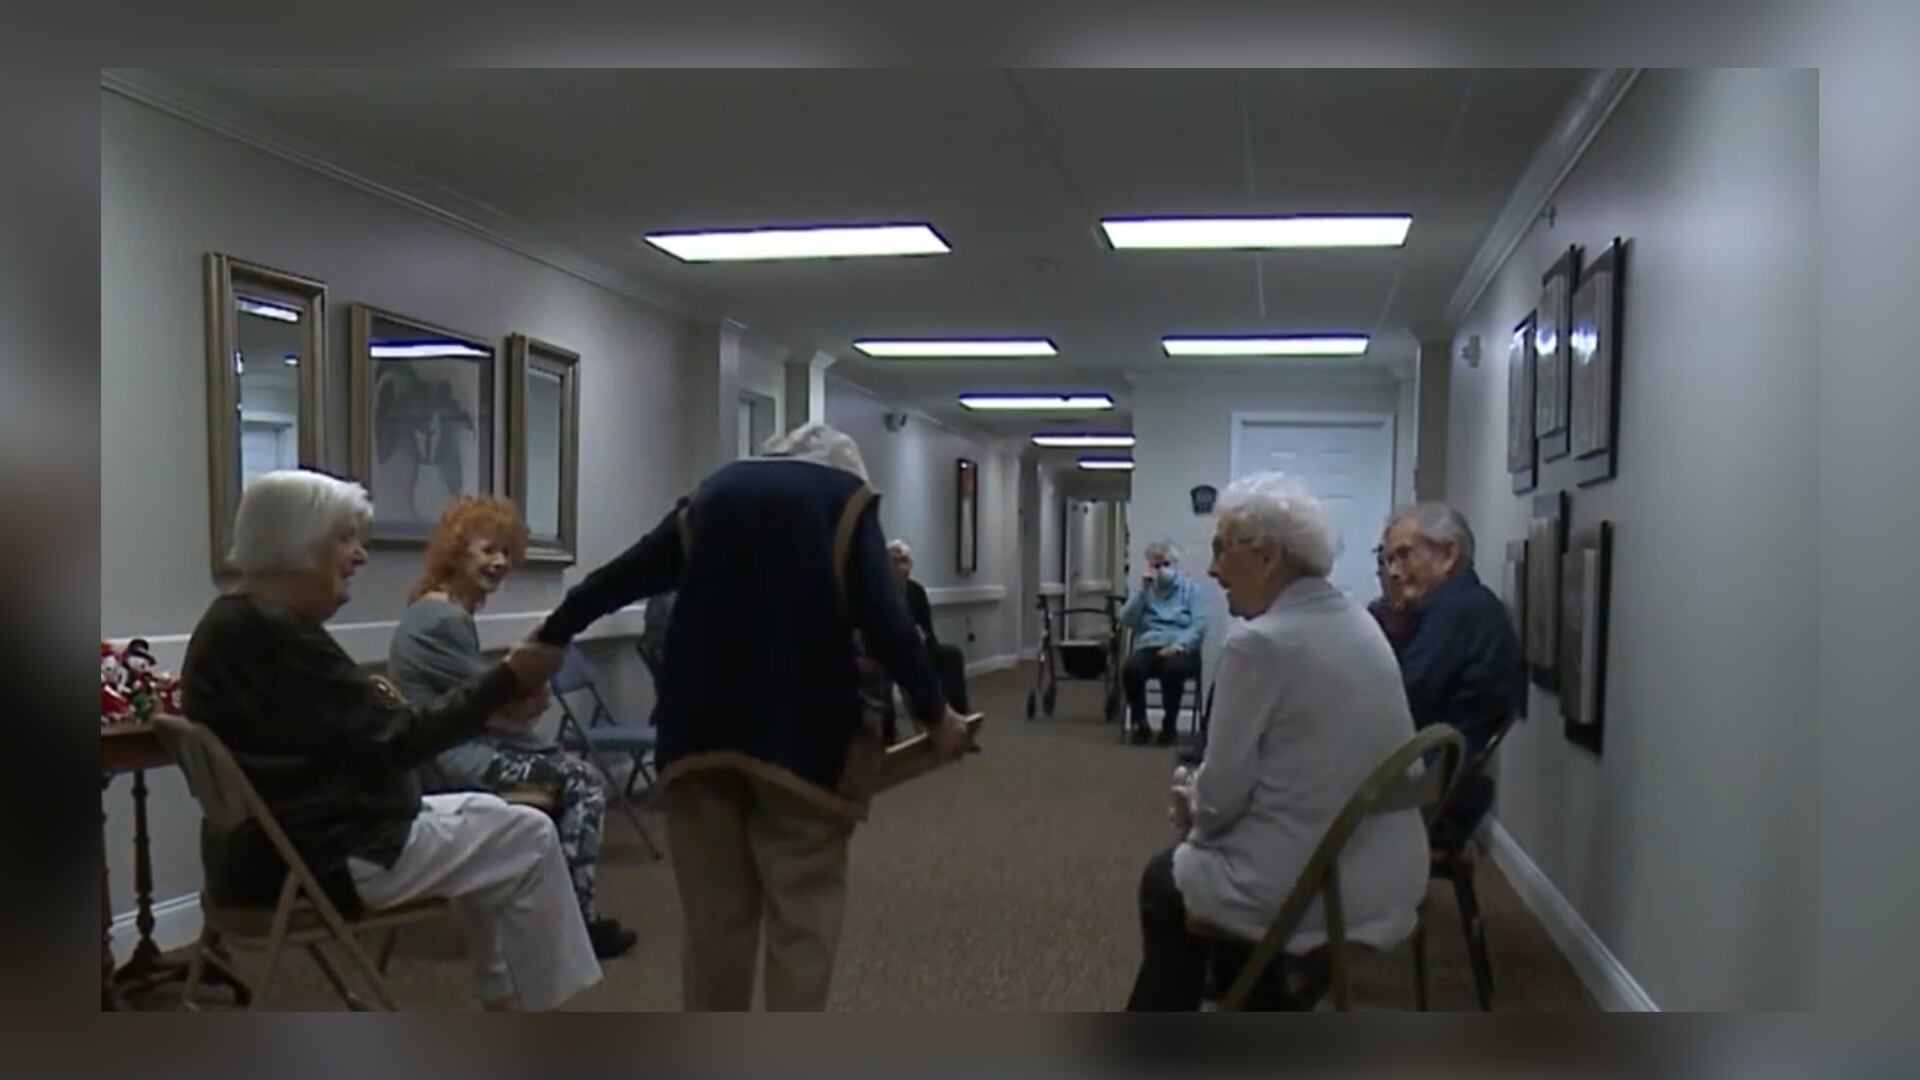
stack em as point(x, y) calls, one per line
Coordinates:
point(582, 794)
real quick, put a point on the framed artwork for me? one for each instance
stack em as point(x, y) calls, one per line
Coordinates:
point(1551, 379)
point(1593, 336)
point(967, 516)
point(266, 374)
point(1522, 452)
point(1514, 593)
point(1546, 541)
point(543, 445)
point(423, 431)
point(1586, 585)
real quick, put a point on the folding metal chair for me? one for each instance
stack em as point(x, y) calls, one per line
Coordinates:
point(304, 916)
point(601, 738)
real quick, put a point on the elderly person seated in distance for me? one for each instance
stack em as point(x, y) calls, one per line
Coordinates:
point(1307, 703)
point(436, 649)
point(333, 754)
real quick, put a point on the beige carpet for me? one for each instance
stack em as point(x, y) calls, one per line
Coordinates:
point(1006, 882)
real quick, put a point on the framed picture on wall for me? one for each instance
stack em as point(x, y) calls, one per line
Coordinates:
point(966, 516)
point(1523, 460)
point(1546, 542)
point(1585, 584)
point(1551, 377)
point(1514, 594)
point(1594, 337)
point(422, 409)
point(543, 445)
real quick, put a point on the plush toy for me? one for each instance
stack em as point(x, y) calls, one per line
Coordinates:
point(132, 687)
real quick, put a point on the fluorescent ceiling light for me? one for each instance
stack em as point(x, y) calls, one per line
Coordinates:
point(1096, 464)
point(425, 350)
point(834, 242)
point(1041, 402)
point(1335, 345)
point(1084, 440)
point(291, 360)
point(958, 347)
point(276, 312)
point(1353, 230)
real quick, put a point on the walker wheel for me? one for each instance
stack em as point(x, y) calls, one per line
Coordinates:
point(1030, 704)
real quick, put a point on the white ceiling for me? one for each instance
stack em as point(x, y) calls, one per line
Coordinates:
point(1015, 168)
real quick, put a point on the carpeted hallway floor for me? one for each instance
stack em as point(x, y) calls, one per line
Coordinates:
point(1005, 882)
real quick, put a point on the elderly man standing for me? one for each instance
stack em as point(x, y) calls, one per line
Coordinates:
point(1461, 661)
point(776, 563)
point(1164, 614)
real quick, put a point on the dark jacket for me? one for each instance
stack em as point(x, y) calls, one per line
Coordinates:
point(331, 754)
point(1462, 663)
point(921, 609)
point(759, 669)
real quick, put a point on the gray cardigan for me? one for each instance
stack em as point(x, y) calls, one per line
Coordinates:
point(1307, 702)
point(435, 649)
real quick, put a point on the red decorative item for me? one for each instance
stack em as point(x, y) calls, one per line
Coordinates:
point(132, 687)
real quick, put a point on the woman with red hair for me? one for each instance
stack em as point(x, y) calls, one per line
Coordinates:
point(477, 543)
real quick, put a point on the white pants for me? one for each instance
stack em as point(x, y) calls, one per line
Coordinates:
point(502, 868)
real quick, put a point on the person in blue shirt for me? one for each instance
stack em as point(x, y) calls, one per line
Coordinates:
point(1461, 660)
point(1164, 614)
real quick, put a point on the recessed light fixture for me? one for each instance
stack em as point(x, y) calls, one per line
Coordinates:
point(958, 348)
point(1084, 440)
point(425, 350)
point(1256, 233)
point(1038, 402)
point(276, 312)
point(1300, 345)
point(813, 242)
point(1106, 464)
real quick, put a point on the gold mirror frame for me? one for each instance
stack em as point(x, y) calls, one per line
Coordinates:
point(524, 356)
point(223, 387)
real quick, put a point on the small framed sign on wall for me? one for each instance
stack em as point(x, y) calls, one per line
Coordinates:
point(967, 516)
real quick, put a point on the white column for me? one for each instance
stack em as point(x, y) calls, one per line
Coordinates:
point(806, 385)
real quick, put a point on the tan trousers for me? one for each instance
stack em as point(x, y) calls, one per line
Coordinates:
point(748, 852)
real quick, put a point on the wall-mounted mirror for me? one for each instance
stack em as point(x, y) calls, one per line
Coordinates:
point(266, 367)
point(966, 516)
point(543, 445)
point(422, 419)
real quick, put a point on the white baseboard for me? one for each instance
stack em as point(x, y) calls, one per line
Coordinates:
point(1606, 978)
point(992, 663)
point(176, 924)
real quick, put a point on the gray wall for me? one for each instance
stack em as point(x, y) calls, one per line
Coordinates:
point(171, 192)
point(1688, 846)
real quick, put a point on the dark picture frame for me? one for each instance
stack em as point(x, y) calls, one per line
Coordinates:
point(531, 362)
point(1546, 543)
point(1585, 611)
point(1523, 453)
point(966, 515)
point(1593, 335)
point(425, 407)
point(1551, 403)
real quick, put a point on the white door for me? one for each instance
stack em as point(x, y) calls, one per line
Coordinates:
point(1347, 462)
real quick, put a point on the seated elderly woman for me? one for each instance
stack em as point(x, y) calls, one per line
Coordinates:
point(1307, 702)
point(436, 649)
point(333, 754)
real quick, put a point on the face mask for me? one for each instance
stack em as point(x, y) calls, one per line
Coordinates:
point(1165, 575)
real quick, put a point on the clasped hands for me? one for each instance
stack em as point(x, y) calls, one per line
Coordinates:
point(532, 663)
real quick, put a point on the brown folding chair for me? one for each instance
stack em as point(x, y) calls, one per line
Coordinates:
point(1453, 860)
point(1391, 787)
point(304, 916)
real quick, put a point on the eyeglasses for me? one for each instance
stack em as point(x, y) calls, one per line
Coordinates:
point(1401, 554)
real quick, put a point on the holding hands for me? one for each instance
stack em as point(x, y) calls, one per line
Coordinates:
point(533, 663)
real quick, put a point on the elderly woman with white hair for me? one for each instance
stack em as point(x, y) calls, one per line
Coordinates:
point(333, 754)
point(1307, 701)
point(776, 563)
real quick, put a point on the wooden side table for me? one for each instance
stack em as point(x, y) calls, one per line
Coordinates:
point(135, 748)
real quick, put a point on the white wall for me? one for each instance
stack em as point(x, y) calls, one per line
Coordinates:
point(1184, 426)
point(171, 192)
point(1687, 846)
point(914, 471)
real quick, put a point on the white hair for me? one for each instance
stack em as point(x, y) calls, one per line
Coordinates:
point(285, 515)
point(1440, 523)
point(1163, 548)
point(1273, 509)
point(820, 444)
point(900, 547)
